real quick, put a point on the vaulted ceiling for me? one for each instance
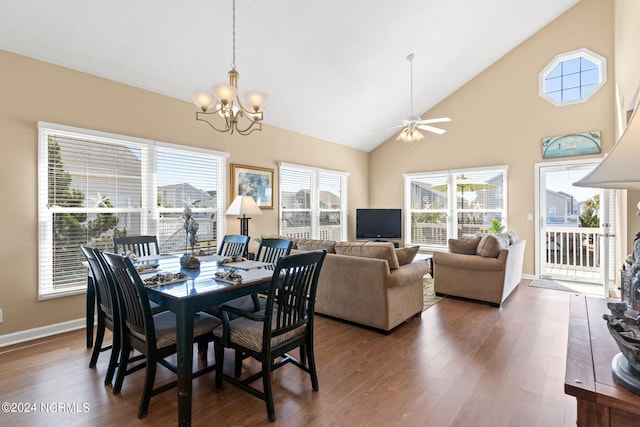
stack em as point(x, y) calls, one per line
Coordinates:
point(332, 69)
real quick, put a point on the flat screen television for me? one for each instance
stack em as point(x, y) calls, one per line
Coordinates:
point(378, 223)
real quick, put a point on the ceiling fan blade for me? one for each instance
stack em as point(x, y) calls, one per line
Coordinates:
point(440, 120)
point(431, 129)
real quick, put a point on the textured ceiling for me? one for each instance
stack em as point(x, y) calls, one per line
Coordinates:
point(332, 69)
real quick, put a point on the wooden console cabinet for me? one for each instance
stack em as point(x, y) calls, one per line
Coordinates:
point(601, 401)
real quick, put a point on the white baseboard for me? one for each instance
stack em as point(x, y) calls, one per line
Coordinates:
point(41, 332)
point(529, 276)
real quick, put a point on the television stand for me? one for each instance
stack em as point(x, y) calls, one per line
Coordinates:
point(395, 243)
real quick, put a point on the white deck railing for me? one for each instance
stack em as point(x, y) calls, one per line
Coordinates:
point(573, 248)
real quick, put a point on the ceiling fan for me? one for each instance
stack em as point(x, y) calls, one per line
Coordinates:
point(410, 133)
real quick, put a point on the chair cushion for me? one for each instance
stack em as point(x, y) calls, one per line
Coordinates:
point(248, 333)
point(312, 245)
point(491, 245)
point(464, 246)
point(165, 325)
point(244, 303)
point(379, 250)
point(407, 254)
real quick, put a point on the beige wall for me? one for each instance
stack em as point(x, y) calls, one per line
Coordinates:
point(35, 91)
point(498, 118)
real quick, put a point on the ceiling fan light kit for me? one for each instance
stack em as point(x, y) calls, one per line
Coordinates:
point(410, 133)
point(225, 103)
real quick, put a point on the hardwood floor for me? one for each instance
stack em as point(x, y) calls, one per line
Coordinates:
point(461, 364)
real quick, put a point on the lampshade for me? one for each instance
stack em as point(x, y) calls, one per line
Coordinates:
point(256, 100)
point(243, 205)
point(204, 100)
point(225, 93)
point(620, 169)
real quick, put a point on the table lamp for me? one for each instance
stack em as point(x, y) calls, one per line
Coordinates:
point(243, 205)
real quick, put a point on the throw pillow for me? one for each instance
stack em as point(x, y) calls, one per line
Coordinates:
point(312, 245)
point(464, 246)
point(407, 254)
point(491, 245)
point(513, 237)
point(379, 250)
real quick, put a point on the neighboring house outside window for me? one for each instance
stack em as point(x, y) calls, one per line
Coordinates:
point(313, 202)
point(94, 186)
point(452, 204)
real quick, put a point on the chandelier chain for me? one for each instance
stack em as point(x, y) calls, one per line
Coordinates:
point(233, 62)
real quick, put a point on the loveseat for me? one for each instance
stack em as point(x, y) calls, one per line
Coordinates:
point(486, 268)
point(368, 283)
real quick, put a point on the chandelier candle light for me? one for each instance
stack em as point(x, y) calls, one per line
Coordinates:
point(225, 103)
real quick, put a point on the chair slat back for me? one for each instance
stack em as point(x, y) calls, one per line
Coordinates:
point(292, 293)
point(270, 250)
point(234, 244)
point(132, 296)
point(106, 293)
point(139, 245)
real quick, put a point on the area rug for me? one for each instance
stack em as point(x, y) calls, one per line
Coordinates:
point(430, 297)
point(558, 285)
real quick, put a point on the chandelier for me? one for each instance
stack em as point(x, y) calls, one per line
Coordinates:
point(224, 104)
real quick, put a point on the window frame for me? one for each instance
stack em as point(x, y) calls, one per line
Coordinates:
point(148, 210)
point(598, 60)
point(451, 211)
point(315, 210)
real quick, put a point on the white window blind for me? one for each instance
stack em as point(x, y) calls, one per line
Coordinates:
point(196, 178)
point(94, 186)
point(313, 202)
point(453, 204)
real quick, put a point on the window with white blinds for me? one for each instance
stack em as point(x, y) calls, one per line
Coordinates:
point(313, 202)
point(94, 186)
point(453, 204)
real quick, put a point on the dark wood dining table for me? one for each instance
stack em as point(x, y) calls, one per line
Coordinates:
point(201, 290)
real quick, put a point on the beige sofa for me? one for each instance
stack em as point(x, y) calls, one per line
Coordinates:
point(368, 283)
point(484, 269)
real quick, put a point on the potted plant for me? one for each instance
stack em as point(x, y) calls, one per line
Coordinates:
point(496, 226)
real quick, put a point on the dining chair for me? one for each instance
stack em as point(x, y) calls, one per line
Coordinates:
point(284, 325)
point(139, 245)
point(271, 249)
point(107, 311)
point(154, 336)
point(234, 244)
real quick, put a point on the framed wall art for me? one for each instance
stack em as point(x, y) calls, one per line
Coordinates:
point(253, 181)
point(576, 144)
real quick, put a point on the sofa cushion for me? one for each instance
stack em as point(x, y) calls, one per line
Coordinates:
point(491, 244)
point(312, 245)
point(379, 250)
point(464, 246)
point(513, 237)
point(407, 254)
